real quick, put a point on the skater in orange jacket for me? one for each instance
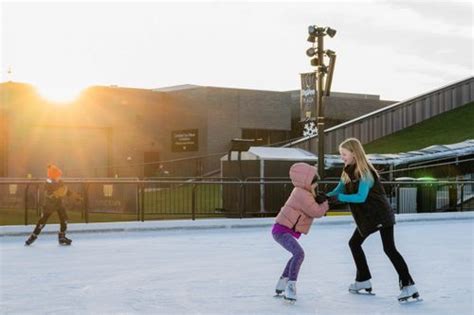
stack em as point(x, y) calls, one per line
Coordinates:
point(55, 191)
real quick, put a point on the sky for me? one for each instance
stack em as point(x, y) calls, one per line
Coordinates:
point(395, 49)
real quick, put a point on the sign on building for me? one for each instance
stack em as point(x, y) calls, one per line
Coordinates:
point(185, 140)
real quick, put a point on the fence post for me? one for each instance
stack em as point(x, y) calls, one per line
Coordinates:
point(397, 198)
point(86, 202)
point(193, 202)
point(242, 200)
point(26, 203)
point(37, 201)
point(143, 201)
point(462, 197)
point(139, 205)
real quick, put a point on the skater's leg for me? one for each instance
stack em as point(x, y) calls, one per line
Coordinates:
point(62, 219)
point(42, 222)
point(286, 271)
point(63, 240)
point(395, 257)
point(39, 226)
point(355, 243)
point(288, 242)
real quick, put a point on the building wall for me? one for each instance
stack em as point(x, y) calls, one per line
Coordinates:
point(3, 143)
point(340, 107)
point(109, 130)
point(221, 114)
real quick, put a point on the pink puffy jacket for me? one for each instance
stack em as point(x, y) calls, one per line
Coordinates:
point(300, 209)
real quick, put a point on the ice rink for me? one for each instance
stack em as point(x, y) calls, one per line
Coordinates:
point(233, 271)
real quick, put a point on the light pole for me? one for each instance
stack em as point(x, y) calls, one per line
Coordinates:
point(317, 53)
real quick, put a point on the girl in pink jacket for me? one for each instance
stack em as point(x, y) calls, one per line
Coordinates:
point(294, 218)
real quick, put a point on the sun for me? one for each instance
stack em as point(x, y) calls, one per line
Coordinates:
point(59, 94)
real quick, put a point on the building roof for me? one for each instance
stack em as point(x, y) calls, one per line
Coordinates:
point(278, 154)
point(177, 88)
point(431, 153)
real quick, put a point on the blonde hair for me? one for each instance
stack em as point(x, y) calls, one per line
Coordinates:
point(363, 166)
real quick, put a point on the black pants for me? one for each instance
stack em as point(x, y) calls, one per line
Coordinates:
point(363, 273)
point(45, 216)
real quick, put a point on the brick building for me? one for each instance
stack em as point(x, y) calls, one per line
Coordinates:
point(112, 131)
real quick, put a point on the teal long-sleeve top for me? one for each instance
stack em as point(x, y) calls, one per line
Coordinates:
point(365, 184)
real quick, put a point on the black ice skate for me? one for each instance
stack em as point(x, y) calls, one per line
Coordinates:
point(31, 239)
point(63, 240)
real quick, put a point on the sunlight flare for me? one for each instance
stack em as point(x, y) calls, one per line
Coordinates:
point(59, 94)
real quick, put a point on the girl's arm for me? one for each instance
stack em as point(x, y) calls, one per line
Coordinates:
point(312, 209)
point(361, 196)
point(336, 191)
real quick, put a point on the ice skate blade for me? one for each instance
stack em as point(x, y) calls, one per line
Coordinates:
point(410, 299)
point(289, 301)
point(365, 292)
point(278, 296)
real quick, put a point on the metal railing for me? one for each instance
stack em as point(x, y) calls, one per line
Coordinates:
point(132, 199)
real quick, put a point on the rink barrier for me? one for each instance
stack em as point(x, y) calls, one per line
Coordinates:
point(217, 224)
point(198, 198)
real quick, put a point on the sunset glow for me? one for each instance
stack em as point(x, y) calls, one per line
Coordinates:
point(62, 95)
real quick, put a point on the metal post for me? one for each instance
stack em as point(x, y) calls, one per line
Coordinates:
point(26, 203)
point(320, 106)
point(86, 203)
point(193, 201)
point(397, 197)
point(242, 200)
point(37, 201)
point(139, 205)
point(316, 35)
point(143, 202)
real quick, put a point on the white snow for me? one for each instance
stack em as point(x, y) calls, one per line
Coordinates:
point(233, 271)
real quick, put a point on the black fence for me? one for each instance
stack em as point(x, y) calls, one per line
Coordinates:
point(175, 198)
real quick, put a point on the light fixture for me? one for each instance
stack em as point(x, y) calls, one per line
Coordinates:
point(312, 30)
point(311, 52)
point(330, 31)
point(329, 52)
point(314, 62)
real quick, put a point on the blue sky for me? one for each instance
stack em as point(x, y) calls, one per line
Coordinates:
point(396, 49)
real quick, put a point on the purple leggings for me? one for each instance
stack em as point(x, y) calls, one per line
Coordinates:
point(288, 242)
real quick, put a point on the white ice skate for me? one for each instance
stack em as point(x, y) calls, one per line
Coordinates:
point(290, 292)
point(357, 286)
point(409, 293)
point(281, 286)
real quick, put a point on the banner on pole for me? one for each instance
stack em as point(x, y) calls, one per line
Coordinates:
point(307, 96)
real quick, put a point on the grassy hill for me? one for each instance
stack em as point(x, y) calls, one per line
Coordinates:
point(451, 127)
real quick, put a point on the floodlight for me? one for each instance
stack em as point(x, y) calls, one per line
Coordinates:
point(331, 32)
